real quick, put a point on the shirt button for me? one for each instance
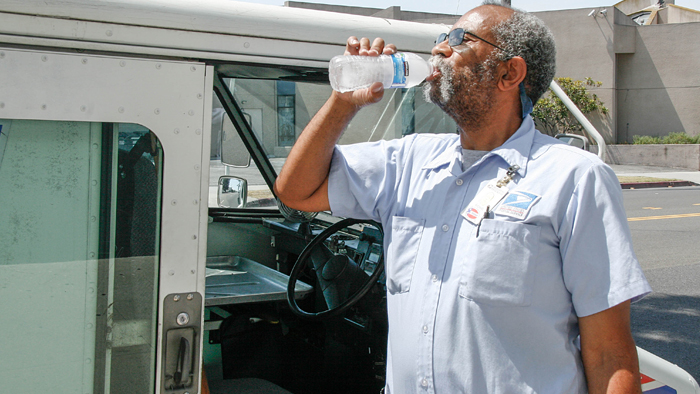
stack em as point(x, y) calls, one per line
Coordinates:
point(435, 278)
point(424, 382)
point(425, 329)
point(459, 182)
point(445, 227)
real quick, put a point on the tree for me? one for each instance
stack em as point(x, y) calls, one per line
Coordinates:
point(553, 117)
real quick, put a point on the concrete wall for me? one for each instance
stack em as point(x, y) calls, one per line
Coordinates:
point(585, 48)
point(676, 14)
point(675, 156)
point(259, 97)
point(658, 86)
point(649, 73)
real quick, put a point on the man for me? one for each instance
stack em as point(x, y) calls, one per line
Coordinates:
point(506, 251)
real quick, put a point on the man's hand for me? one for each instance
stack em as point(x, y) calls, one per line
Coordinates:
point(362, 47)
point(608, 352)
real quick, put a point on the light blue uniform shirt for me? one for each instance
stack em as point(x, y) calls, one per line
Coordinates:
point(497, 312)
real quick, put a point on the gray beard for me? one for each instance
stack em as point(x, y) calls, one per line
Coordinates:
point(467, 95)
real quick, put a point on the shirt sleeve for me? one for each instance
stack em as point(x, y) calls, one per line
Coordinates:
point(363, 177)
point(599, 265)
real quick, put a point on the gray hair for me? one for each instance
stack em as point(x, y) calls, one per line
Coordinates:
point(525, 35)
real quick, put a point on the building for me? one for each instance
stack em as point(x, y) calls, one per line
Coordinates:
point(645, 52)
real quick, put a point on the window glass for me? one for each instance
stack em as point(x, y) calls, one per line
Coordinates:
point(78, 262)
point(279, 110)
point(286, 94)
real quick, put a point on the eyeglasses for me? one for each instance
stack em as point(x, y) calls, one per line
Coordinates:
point(456, 37)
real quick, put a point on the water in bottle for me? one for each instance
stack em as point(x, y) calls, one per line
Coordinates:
point(400, 70)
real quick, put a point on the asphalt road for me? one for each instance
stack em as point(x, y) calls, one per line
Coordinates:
point(665, 224)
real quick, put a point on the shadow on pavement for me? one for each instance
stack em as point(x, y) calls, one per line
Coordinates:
point(668, 326)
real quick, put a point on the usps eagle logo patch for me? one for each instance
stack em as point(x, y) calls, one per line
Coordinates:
point(517, 204)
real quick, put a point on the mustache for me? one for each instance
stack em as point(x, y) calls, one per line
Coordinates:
point(440, 90)
point(440, 63)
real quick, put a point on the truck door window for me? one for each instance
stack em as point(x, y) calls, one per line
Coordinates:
point(80, 219)
point(278, 111)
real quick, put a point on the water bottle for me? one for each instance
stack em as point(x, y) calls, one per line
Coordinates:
point(400, 70)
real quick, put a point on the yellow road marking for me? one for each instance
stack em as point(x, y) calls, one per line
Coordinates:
point(651, 208)
point(696, 204)
point(682, 215)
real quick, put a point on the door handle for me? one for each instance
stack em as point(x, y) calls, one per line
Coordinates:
point(181, 342)
point(178, 360)
point(184, 364)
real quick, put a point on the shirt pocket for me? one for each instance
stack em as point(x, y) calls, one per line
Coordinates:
point(501, 262)
point(402, 252)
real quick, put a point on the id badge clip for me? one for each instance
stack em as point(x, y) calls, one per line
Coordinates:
point(488, 198)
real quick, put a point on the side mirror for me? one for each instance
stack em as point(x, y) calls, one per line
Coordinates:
point(233, 192)
point(233, 151)
point(578, 141)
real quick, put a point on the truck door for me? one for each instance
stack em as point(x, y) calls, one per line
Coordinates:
point(103, 216)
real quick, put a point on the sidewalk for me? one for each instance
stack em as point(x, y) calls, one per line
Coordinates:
point(684, 177)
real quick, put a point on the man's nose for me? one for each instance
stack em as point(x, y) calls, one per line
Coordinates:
point(442, 48)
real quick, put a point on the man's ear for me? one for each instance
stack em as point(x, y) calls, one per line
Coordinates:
point(513, 72)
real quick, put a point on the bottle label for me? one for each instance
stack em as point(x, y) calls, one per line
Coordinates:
point(400, 70)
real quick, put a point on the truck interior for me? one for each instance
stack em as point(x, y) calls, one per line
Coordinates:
point(325, 328)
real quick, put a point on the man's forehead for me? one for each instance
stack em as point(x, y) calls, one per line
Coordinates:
point(482, 19)
point(471, 21)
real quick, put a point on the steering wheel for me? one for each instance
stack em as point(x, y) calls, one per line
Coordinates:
point(343, 283)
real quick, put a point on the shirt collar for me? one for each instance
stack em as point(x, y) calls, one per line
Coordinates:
point(515, 151)
point(450, 157)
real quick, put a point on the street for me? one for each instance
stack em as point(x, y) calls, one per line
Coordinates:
point(665, 223)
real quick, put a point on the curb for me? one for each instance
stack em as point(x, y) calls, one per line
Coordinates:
point(646, 185)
